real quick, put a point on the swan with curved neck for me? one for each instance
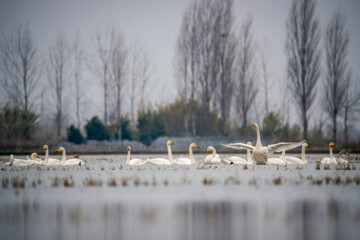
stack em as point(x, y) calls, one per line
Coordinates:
point(340, 159)
point(187, 161)
point(213, 158)
point(163, 161)
point(295, 160)
point(260, 153)
point(69, 162)
point(47, 160)
point(134, 161)
point(35, 157)
point(238, 160)
point(21, 162)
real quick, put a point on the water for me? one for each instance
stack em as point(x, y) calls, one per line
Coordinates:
point(108, 200)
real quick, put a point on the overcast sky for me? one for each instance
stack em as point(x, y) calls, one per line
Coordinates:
point(155, 24)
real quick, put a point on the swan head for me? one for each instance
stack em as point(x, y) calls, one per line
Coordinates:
point(34, 155)
point(193, 145)
point(12, 157)
point(306, 144)
point(129, 148)
point(250, 143)
point(210, 148)
point(77, 156)
point(331, 144)
point(45, 147)
point(344, 152)
point(60, 149)
point(169, 143)
point(255, 125)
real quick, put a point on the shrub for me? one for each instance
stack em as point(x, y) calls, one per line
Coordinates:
point(96, 130)
point(74, 135)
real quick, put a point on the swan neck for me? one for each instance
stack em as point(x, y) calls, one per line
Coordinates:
point(128, 158)
point(283, 156)
point(331, 153)
point(63, 157)
point(213, 152)
point(248, 155)
point(258, 140)
point(46, 160)
point(303, 154)
point(191, 156)
point(170, 154)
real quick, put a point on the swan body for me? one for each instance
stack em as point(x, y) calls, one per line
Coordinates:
point(187, 161)
point(295, 160)
point(260, 153)
point(21, 162)
point(238, 160)
point(49, 161)
point(69, 162)
point(134, 161)
point(163, 161)
point(213, 158)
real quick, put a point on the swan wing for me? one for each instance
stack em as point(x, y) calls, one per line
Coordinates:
point(73, 162)
point(275, 161)
point(182, 161)
point(238, 160)
point(294, 160)
point(278, 147)
point(24, 162)
point(239, 146)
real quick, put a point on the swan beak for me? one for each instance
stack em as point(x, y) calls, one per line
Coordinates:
point(332, 144)
point(58, 150)
point(129, 148)
point(44, 148)
point(347, 154)
point(208, 149)
point(306, 145)
point(171, 143)
point(36, 155)
point(255, 125)
point(196, 146)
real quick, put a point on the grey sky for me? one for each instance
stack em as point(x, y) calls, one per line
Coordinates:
point(156, 24)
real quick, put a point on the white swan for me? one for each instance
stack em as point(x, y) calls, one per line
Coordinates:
point(163, 161)
point(134, 161)
point(295, 160)
point(331, 159)
point(187, 161)
point(277, 161)
point(69, 162)
point(339, 159)
point(213, 158)
point(35, 157)
point(21, 162)
point(47, 160)
point(238, 160)
point(260, 153)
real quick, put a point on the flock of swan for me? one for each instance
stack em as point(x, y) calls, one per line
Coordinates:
point(259, 153)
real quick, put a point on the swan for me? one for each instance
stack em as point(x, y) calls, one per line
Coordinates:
point(213, 158)
point(187, 161)
point(279, 160)
point(21, 162)
point(47, 160)
point(69, 162)
point(339, 159)
point(331, 159)
point(134, 161)
point(238, 160)
point(295, 160)
point(163, 161)
point(260, 153)
point(35, 157)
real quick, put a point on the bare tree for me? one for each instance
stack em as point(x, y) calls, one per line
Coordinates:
point(134, 59)
point(101, 67)
point(145, 69)
point(264, 60)
point(56, 76)
point(20, 65)
point(246, 73)
point(78, 57)
point(226, 55)
point(337, 76)
point(118, 67)
point(303, 53)
point(351, 106)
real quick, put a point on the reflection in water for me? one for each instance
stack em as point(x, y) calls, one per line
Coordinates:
point(185, 220)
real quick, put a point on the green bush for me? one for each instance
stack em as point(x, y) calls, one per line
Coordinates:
point(96, 130)
point(74, 135)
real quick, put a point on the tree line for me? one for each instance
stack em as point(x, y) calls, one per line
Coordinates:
point(222, 76)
